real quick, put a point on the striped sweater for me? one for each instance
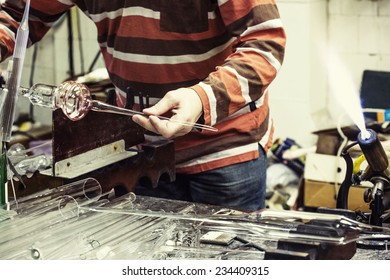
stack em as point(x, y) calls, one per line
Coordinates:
point(228, 51)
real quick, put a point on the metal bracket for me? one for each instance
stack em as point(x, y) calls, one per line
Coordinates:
point(91, 160)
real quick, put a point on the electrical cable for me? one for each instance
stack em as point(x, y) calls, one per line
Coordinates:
point(79, 38)
point(70, 45)
point(339, 151)
point(94, 61)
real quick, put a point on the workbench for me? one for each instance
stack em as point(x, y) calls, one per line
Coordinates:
point(75, 222)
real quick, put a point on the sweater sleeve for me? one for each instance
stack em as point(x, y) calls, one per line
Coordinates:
point(256, 57)
point(42, 16)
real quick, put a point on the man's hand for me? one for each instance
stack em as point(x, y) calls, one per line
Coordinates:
point(183, 105)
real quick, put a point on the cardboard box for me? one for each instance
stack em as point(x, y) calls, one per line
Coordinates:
point(322, 194)
point(324, 168)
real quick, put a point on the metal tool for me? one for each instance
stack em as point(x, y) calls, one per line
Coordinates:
point(377, 172)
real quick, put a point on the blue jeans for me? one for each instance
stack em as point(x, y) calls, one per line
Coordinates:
point(240, 186)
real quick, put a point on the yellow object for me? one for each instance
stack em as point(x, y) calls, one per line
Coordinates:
point(25, 126)
point(357, 163)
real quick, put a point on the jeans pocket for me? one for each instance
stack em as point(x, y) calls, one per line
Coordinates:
point(184, 16)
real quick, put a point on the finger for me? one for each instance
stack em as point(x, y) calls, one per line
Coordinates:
point(164, 105)
point(166, 128)
point(144, 122)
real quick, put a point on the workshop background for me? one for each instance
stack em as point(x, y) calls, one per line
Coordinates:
point(357, 29)
point(301, 102)
point(307, 117)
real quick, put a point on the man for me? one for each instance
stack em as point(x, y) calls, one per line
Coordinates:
point(204, 61)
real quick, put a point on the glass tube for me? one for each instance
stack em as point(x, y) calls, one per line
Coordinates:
point(75, 101)
point(50, 207)
point(121, 238)
point(42, 237)
point(15, 66)
point(88, 188)
point(278, 229)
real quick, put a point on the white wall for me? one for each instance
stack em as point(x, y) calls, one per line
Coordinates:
point(298, 96)
point(358, 30)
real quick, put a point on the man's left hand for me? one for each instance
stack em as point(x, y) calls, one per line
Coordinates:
point(183, 104)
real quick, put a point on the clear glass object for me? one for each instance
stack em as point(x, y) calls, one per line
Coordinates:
point(33, 164)
point(72, 98)
point(14, 73)
point(18, 152)
point(75, 100)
